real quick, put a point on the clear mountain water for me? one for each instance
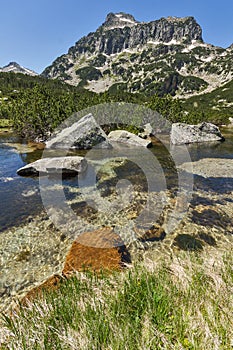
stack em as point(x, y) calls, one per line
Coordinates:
point(20, 196)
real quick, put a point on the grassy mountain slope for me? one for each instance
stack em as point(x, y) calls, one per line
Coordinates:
point(216, 105)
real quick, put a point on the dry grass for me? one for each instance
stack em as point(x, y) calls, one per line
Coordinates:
point(183, 301)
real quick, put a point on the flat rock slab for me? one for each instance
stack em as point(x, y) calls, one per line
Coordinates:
point(128, 138)
point(97, 250)
point(210, 167)
point(71, 165)
point(84, 134)
point(182, 133)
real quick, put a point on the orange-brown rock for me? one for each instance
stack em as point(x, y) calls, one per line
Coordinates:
point(97, 250)
point(52, 283)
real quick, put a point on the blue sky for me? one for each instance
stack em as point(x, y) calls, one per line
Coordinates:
point(33, 33)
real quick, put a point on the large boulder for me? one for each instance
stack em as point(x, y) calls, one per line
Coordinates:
point(184, 133)
point(68, 166)
point(84, 134)
point(128, 138)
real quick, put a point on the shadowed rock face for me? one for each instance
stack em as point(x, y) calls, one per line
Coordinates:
point(184, 133)
point(68, 166)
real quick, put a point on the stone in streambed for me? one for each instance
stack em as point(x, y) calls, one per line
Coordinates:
point(51, 284)
point(100, 250)
point(210, 167)
point(182, 133)
point(123, 136)
point(147, 131)
point(97, 250)
point(69, 166)
point(154, 234)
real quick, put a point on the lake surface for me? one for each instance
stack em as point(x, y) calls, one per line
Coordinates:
point(20, 196)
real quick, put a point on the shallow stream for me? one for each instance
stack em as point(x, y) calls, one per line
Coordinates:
point(20, 196)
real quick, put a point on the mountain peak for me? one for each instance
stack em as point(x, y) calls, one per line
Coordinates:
point(17, 68)
point(166, 55)
point(119, 20)
point(15, 64)
point(180, 19)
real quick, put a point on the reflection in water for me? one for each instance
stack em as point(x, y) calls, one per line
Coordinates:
point(213, 149)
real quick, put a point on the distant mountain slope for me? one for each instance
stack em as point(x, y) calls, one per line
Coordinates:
point(160, 57)
point(12, 83)
point(16, 68)
point(217, 105)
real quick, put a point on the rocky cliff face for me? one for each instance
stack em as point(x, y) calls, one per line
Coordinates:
point(121, 32)
point(163, 56)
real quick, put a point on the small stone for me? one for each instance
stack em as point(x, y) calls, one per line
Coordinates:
point(147, 131)
point(153, 234)
point(62, 237)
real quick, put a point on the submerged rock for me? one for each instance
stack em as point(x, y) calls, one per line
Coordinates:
point(84, 134)
point(66, 165)
point(51, 284)
point(128, 138)
point(182, 133)
point(98, 250)
point(210, 167)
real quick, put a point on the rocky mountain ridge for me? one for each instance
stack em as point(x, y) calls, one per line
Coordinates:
point(159, 57)
point(16, 68)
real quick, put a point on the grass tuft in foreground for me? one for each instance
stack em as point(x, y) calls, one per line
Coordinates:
point(182, 302)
